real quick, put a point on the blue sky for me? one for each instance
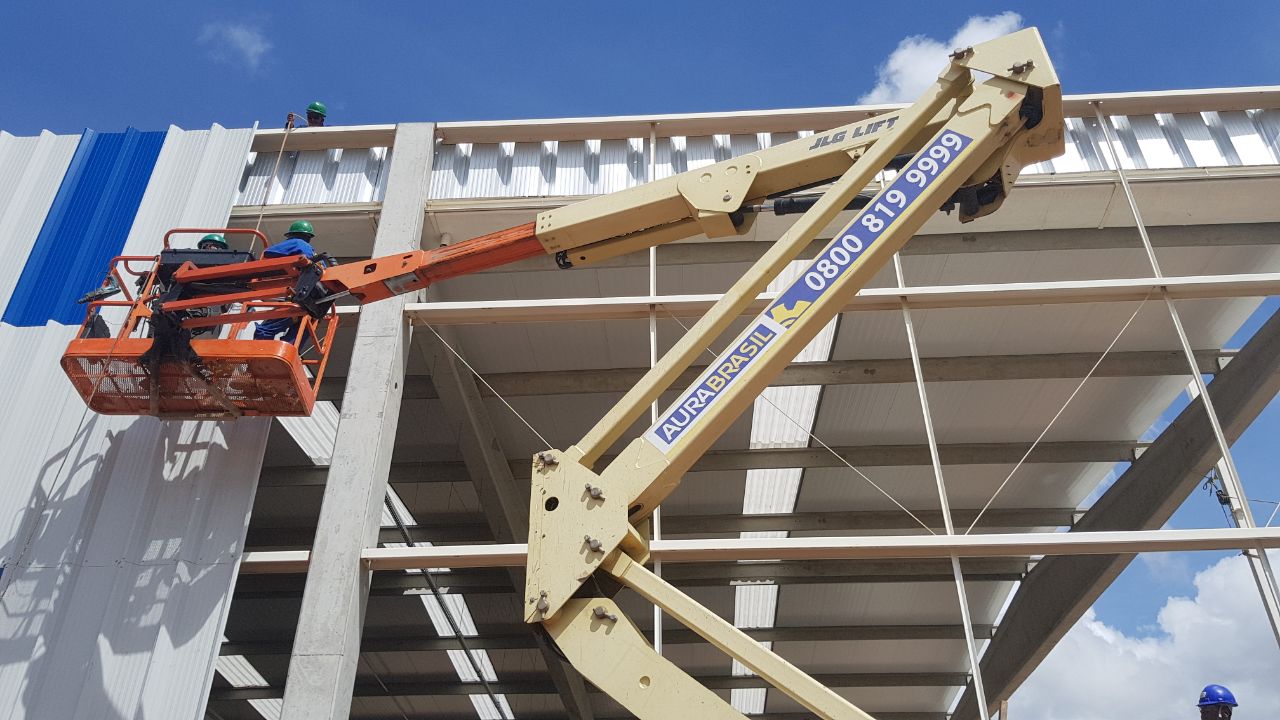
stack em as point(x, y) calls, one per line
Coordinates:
point(66, 66)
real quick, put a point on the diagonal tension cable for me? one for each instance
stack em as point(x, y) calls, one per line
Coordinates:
point(439, 598)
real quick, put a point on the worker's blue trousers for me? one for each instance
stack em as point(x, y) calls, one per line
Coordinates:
point(269, 329)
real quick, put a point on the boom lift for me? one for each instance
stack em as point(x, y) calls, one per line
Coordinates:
point(968, 140)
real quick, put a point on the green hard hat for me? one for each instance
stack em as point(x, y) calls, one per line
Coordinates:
point(318, 108)
point(301, 227)
point(215, 240)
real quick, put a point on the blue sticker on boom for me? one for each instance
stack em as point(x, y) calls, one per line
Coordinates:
point(822, 274)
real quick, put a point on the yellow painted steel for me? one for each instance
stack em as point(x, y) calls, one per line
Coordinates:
point(647, 474)
point(729, 307)
point(789, 679)
point(608, 649)
point(971, 142)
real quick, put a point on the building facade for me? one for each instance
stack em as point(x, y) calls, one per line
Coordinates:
point(1049, 343)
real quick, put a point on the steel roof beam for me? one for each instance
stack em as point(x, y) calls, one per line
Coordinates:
point(764, 716)
point(1117, 238)
point(715, 562)
point(748, 251)
point(1146, 363)
point(784, 120)
point(1067, 292)
point(1059, 590)
point(496, 580)
point(538, 684)
point(535, 715)
point(777, 458)
point(757, 459)
point(544, 715)
point(1188, 287)
point(471, 527)
point(517, 637)
point(739, 558)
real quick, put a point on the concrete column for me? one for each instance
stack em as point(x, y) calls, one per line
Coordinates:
point(326, 648)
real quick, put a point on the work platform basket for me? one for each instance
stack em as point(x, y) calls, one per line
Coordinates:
point(226, 374)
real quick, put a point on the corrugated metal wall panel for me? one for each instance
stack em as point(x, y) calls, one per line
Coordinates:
point(1268, 124)
point(1247, 138)
point(590, 167)
point(1153, 143)
point(1126, 143)
point(121, 555)
point(85, 227)
point(571, 179)
point(450, 167)
point(316, 433)
point(1194, 132)
point(31, 170)
point(189, 186)
point(315, 176)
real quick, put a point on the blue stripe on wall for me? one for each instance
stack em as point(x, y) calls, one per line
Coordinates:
point(87, 225)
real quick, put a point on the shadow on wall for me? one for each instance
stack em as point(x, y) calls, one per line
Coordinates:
point(115, 568)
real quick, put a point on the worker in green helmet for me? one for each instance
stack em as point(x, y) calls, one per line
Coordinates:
point(316, 114)
point(213, 241)
point(297, 241)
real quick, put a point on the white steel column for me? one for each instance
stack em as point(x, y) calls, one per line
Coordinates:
point(656, 518)
point(1241, 513)
point(962, 597)
point(326, 646)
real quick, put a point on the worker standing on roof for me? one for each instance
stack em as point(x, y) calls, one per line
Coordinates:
point(1216, 702)
point(296, 242)
point(316, 114)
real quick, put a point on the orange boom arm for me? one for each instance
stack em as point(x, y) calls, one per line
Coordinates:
point(384, 277)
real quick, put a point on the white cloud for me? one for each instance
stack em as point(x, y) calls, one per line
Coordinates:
point(235, 43)
point(1220, 636)
point(917, 60)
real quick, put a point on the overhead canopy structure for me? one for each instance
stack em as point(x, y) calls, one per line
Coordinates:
point(1009, 313)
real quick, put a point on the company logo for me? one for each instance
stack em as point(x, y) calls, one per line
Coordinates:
point(861, 130)
point(787, 316)
point(698, 399)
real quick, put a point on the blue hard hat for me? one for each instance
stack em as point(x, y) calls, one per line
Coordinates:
point(1216, 695)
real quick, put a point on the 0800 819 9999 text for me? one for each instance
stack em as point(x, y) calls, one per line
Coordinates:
point(821, 275)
